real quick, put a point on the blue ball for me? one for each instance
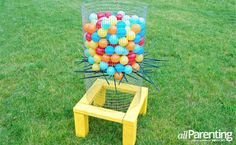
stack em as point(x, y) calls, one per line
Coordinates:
point(119, 50)
point(106, 24)
point(111, 71)
point(86, 53)
point(128, 69)
point(95, 37)
point(108, 36)
point(109, 50)
point(142, 33)
point(141, 51)
point(137, 39)
point(121, 32)
point(119, 67)
point(125, 51)
point(91, 60)
point(133, 21)
point(113, 39)
point(138, 49)
point(103, 65)
point(121, 24)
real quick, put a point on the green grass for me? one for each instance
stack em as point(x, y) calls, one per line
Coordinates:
point(40, 40)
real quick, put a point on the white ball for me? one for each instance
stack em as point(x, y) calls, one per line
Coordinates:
point(121, 12)
point(93, 16)
point(126, 18)
point(135, 17)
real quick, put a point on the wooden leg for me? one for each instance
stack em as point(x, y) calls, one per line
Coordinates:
point(129, 133)
point(100, 98)
point(81, 124)
point(143, 110)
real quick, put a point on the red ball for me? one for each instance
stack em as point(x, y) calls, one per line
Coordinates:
point(110, 63)
point(119, 16)
point(141, 42)
point(98, 24)
point(100, 51)
point(131, 56)
point(88, 36)
point(108, 14)
point(100, 15)
point(131, 62)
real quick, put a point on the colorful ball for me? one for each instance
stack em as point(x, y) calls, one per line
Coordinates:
point(139, 58)
point(109, 50)
point(121, 32)
point(124, 60)
point(113, 20)
point(108, 36)
point(136, 28)
point(108, 14)
point(125, 51)
point(113, 39)
point(95, 67)
point(141, 42)
point(95, 37)
point(106, 24)
point(130, 35)
point(123, 41)
point(91, 51)
point(103, 43)
point(86, 53)
point(115, 58)
point(137, 39)
point(97, 58)
point(106, 58)
point(91, 60)
point(100, 51)
point(120, 24)
point(118, 76)
point(119, 16)
point(131, 56)
point(136, 67)
point(98, 24)
point(128, 69)
point(112, 30)
point(111, 71)
point(93, 44)
point(89, 27)
point(94, 22)
point(126, 18)
point(100, 15)
point(119, 50)
point(138, 49)
point(86, 44)
point(93, 16)
point(102, 32)
point(103, 65)
point(130, 46)
point(88, 36)
point(119, 67)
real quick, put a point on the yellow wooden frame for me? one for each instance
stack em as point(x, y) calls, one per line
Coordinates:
point(84, 108)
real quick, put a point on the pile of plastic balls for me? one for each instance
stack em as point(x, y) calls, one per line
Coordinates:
point(114, 43)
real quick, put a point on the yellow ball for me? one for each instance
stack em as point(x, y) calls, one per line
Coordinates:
point(139, 58)
point(124, 60)
point(102, 32)
point(130, 35)
point(97, 58)
point(93, 44)
point(91, 52)
point(128, 29)
point(123, 41)
point(96, 67)
point(86, 44)
point(113, 20)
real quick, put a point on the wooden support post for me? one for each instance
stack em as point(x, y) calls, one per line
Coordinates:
point(81, 124)
point(100, 97)
point(143, 110)
point(129, 133)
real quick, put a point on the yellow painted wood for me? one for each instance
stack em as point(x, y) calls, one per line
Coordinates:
point(129, 133)
point(81, 124)
point(100, 97)
point(92, 92)
point(135, 106)
point(143, 110)
point(99, 112)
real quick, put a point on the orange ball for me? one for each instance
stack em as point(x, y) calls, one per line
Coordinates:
point(112, 30)
point(136, 28)
point(115, 58)
point(90, 28)
point(103, 43)
point(136, 67)
point(106, 58)
point(130, 46)
point(118, 76)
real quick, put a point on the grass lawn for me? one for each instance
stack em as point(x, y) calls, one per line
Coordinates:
point(40, 40)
